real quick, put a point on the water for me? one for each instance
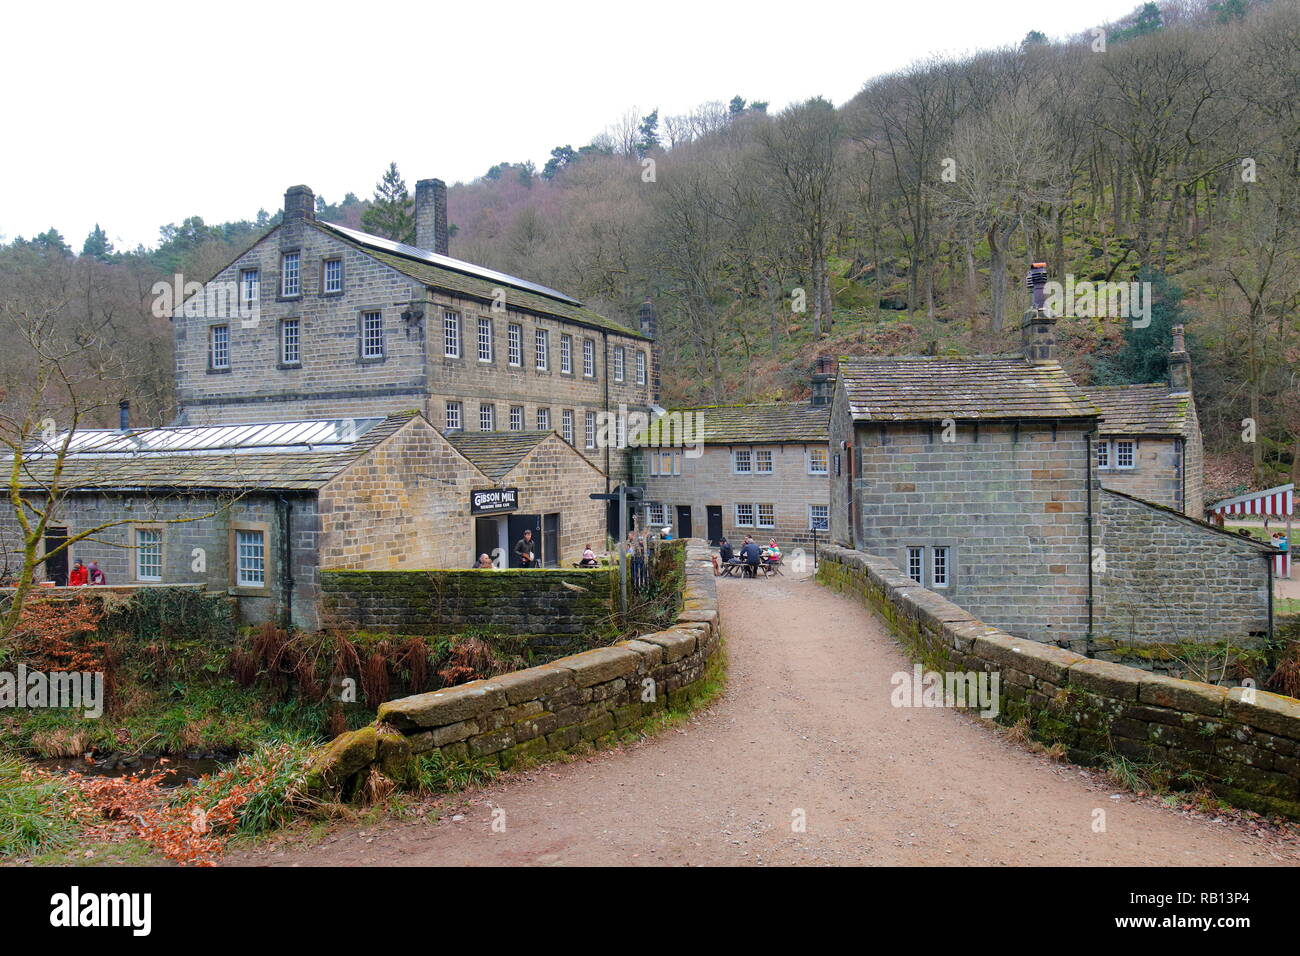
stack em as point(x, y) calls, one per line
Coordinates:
point(177, 771)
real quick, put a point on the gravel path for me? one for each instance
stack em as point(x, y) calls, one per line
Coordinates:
point(804, 731)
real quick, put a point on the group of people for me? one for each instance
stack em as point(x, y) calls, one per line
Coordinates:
point(82, 574)
point(750, 555)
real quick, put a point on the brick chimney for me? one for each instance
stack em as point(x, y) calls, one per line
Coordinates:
point(431, 216)
point(823, 380)
point(299, 203)
point(1038, 328)
point(1180, 364)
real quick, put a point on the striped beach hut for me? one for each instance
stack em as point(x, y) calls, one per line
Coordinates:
point(1276, 502)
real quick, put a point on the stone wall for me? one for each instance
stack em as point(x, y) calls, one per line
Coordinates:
point(1157, 475)
point(1172, 580)
point(1244, 744)
point(530, 601)
point(708, 480)
point(1009, 503)
point(588, 699)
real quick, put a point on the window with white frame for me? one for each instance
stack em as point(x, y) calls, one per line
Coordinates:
point(372, 335)
point(640, 368)
point(766, 516)
point(148, 554)
point(290, 274)
point(484, 339)
point(451, 334)
point(1116, 453)
point(250, 285)
point(290, 342)
point(453, 416)
point(515, 344)
point(655, 515)
point(938, 567)
point(819, 517)
point(250, 559)
point(588, 358)
point(332, 276)
point(543, 419)
point(219, 347)
point(566, 425)
point(590, 430)
point(543, 350)
point(618, 364)
point(566, 354)
point(487, 418)
point(516, 418)
point(742, 461)
point(744, 516)
point(818, 459)
point(763, 461)
point(916, 564)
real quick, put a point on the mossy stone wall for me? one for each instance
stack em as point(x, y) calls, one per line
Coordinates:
point(1244, 744)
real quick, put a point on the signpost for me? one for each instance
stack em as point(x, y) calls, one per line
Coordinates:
point(621, 496)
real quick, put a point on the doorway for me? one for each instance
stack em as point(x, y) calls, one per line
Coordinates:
point(517, 525)
point(490, 538)
point(714, 518)
point(56, 567)
point(551, 540)
point(683, 529)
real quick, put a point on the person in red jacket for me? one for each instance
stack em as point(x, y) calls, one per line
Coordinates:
point(78, 576)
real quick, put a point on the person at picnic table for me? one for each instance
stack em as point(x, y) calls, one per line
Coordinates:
point(525, 550)
point(667, 534)
point(78, 576)
point(484, 562)
point(588, 558)
point(724, 556)
point(751, 555)
point(772, 553)
point(96, 576)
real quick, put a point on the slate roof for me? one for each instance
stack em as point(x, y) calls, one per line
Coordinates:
point(221, 457)
point(443, 274)
point(764, 423)
point(496, 453)
point(924, 388)
point(1140, 409)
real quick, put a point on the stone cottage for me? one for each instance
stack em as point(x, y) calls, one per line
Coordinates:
point(317, 320)
point(1149, 444)
point(758, 469)
point(257, 510)
point(978, 477)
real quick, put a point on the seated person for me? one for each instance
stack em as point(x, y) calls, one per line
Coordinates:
point(750, 554)
point(484, 562)
point(588, 558)
point(724, 556)
point(772, 553)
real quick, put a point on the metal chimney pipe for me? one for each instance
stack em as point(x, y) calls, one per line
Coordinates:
point(124, 415)
point(1036, 280)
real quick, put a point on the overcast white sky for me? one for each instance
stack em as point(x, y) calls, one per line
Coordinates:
point(135, 114)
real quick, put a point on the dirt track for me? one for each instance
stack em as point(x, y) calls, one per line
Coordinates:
point(806, 725)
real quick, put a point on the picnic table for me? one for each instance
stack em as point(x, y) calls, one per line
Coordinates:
point(736, 568)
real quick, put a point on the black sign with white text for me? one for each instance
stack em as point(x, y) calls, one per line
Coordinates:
point(493, 500)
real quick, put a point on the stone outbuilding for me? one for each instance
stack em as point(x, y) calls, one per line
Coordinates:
point(1150, 444)
point(758, 469)
point(256, 510)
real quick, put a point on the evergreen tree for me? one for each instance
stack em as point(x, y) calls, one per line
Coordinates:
point(1145, 355)
point(561, 156)
point(391, 213)
point(51, 242)
point(97, 245)
point(736, 106)
point(648, 133)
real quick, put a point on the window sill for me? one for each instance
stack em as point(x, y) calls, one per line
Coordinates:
point(288, 366)
point(219, 371)
point(371, 360)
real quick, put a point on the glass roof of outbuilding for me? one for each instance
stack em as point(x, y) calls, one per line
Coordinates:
point(261, 437)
